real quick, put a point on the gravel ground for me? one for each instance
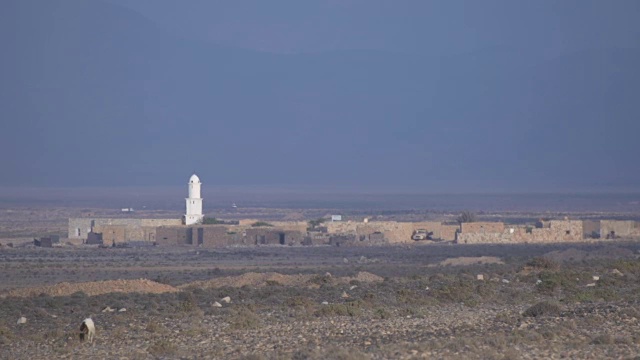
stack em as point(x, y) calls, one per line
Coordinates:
point(402, 307)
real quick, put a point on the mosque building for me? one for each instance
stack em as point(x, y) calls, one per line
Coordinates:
point(120, 230)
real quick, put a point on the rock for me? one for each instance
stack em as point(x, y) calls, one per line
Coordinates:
point(591, 285)
point(226, 299)
point(122, 310)
point(345, 260)
point(22, 320)
point(353, 287)
point(345, 295)
point(480, 277)
point(363, 259)
point(617, 272)
point(325, 303)
point(538, 282)
point(216, 304)
point(108, 309)
point(427, 288)
point(505, 281)
point(327, 274)
point(596, 278)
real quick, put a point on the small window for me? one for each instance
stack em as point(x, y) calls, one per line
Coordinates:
point(568, 232)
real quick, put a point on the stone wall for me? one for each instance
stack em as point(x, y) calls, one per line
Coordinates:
point(557, 231)
point(173, 235)
point(394, 232)
point(226, 235)
point(274, 236)
point(619, 228)
point(590, 227)
point(121, 229)
point(482, 227)
point(79, 228)
point(212, 236)
point(111, 234)
point(448, 232)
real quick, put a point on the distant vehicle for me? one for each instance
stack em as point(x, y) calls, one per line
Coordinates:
point(421, 234)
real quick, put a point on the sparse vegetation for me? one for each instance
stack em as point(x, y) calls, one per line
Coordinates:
point(315, 223)
point(214, 221)
point(458, 313)
point(466, 217)
point(544, 308)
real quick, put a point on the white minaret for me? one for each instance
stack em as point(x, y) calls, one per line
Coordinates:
point(194, 202)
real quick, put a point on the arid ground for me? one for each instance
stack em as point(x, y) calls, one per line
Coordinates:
point(400, 302)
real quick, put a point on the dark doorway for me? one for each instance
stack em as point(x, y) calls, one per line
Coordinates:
point(281, 238)
point(200, 236)
point(189, 236)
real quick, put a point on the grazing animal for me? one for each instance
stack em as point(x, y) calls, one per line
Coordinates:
point(87, 330)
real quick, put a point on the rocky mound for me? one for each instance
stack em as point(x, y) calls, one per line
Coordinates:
point(95, 288)
point(262, 279)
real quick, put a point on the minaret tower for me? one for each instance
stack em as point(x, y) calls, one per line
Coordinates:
point(194, 202)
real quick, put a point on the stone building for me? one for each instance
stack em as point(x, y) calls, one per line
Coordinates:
point(394, 232)
point(118, 230)
point(545, 232)
point(612, 229)
point(47, 242)
point(227, 235)
point(94, 239)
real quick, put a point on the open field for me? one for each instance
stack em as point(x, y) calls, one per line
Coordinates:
point(322, 302)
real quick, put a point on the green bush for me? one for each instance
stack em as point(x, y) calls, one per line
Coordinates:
point(553, 281)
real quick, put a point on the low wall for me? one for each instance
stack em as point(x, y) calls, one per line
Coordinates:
point(558, 231)
point(482, 227)
point(394, 232)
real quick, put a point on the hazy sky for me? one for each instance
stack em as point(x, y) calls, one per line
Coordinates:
point(428, 96)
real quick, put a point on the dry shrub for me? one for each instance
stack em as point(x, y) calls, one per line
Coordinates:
point(351, 308)
point(554, 281)
point(544, 308)
point(542, 263)
point(155, 327)
point(299, 301)
point(382, 313)
point(604, 339)
point(244, 318)
point(336, 353)
point(162, 348)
